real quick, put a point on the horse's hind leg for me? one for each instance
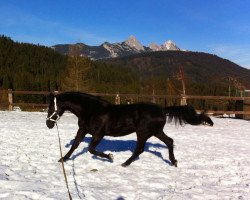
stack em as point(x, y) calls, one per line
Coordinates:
point(170, 143)
point(79, 137)
point(93, 144)
point(138, 150)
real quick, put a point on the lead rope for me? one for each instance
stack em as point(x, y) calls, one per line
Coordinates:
point(64, 173)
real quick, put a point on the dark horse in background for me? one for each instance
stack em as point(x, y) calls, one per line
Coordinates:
point(101, 118)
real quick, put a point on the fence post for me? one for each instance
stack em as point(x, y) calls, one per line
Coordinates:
point(10, 99)
point(183, 100)
point(117, 99)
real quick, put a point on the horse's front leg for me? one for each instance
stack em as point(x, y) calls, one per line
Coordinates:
point(92, 148)
point(79, 137)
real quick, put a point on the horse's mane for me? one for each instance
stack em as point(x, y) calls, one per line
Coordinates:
point(83, 95)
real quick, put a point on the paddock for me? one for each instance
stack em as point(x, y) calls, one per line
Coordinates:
point(213, 162)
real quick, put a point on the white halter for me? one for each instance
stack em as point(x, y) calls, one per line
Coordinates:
point(54, 113)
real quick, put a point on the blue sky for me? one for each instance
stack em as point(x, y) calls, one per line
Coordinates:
point(220, 27)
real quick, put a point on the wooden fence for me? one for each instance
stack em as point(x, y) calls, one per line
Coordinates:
point(136, 97)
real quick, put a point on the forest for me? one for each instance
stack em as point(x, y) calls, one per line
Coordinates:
point(39, 68)
point(203, 73)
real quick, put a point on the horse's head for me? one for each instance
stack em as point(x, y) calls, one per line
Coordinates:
point(206, 120)
point(54, 111)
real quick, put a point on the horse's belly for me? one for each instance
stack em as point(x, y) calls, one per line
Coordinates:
point(119, 133)
point(121, 129)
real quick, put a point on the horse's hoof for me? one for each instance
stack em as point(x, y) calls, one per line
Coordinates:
point(111, 157)
point(175, 163)
point(124, 165)
point(62, 159)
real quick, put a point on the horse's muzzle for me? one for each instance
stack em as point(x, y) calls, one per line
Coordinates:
point(50, 124)
point(208, 123)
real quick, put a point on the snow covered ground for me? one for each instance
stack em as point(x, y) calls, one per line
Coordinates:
point(213, 162)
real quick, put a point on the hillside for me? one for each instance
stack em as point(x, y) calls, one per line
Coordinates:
point(33, 67)
point(29, 67)
point(201, 70)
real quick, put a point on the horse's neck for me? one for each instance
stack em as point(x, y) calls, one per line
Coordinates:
point(73, 108)
point(83, 106)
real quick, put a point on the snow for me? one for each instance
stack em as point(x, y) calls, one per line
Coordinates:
point(213, 162)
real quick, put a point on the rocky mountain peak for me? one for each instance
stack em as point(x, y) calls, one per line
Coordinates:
point(154, 47)
point(134, 43)
point(169, 45)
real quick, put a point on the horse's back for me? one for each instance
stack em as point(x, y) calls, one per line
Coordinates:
point(136, 111)
point(126, 119)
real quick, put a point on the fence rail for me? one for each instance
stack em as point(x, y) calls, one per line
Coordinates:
point(11, 102)
point(138, 95)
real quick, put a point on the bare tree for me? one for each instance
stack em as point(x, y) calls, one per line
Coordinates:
point(76, 74)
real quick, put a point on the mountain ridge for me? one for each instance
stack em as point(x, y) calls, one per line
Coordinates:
point(105, 50)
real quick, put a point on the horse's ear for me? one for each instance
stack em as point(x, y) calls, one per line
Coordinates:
point(51, 96)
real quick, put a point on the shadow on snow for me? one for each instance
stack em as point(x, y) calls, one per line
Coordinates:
point(118, 146)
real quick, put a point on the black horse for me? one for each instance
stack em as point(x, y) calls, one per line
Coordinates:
point(101, 118)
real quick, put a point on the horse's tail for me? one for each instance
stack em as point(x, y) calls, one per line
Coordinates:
point(186, 115)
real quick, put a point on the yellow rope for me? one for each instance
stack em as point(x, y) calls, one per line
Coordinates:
point(64, 173)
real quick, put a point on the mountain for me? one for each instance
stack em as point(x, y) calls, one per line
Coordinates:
point(204, 72)
point(168, 45)
point(31, 67)
point(128, 47)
